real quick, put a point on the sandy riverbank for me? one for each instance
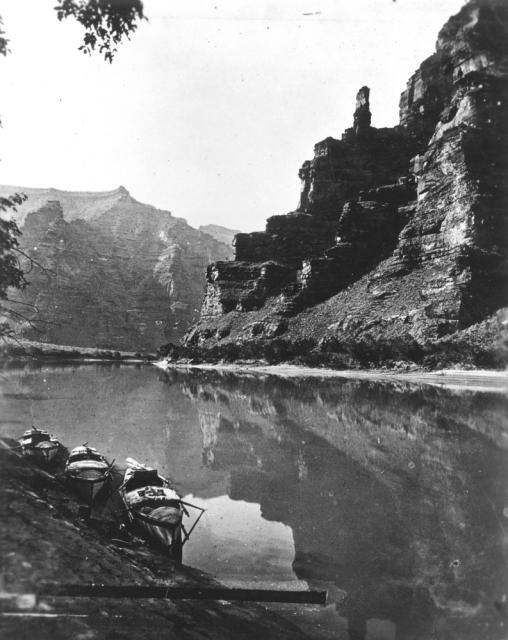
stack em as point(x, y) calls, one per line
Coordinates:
point(476, 380)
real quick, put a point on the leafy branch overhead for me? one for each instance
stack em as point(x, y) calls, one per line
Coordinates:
point(4, 49)
point(11, 275)
point(106, 22)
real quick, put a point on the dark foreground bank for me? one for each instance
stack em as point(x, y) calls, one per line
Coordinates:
point(43, 541)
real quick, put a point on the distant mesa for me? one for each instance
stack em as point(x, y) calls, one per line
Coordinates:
point(110, 272)
point(76, 204)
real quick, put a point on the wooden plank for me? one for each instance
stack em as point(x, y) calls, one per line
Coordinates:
point(181, 593)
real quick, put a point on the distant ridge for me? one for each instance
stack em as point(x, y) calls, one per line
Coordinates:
point(110, 272)
point(85, 205)
point(222, 234)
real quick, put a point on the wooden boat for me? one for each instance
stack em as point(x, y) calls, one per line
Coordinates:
point(40, 446)
point(87, 472)
point(154, 510)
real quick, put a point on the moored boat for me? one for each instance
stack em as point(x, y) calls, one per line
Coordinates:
point(154, 509)
point(40, 446)
point(87, 472)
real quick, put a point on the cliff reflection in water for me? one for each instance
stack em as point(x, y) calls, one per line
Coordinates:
point(395, 494)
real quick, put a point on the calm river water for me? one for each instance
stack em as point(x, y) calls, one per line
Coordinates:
point(394, 497)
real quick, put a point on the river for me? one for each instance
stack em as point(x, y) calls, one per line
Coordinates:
point(393, 496)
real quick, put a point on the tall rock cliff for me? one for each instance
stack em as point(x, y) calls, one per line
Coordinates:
point(400, 239)
point(108, 271)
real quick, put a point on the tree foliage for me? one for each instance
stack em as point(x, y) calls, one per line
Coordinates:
point(106, 22)
point(4, 49)
point(11, 274)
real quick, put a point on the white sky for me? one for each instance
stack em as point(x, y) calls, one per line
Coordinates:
point(211, 108)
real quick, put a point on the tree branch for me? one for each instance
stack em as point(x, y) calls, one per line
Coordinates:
point(33, 261)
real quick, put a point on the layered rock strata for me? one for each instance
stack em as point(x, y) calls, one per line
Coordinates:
point(107, 271)
point(400, 233)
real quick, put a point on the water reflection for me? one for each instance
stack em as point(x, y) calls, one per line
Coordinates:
point(394, 496)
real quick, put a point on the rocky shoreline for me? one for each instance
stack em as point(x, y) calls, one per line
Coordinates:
point(306, 343)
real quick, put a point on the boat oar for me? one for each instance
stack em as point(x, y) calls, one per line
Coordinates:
point(187, 534)
point(187, 504)
point(194, 506)
point(108, 471)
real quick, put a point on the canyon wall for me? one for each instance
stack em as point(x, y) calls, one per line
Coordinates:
point(399, 242)
point(107, 271)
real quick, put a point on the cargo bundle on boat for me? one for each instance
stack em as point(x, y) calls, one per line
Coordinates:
point(87, 472)
point(40, 446)
point(154, 509)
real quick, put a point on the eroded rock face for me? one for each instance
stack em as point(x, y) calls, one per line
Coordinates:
point(403, 229)
point(113, 273)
